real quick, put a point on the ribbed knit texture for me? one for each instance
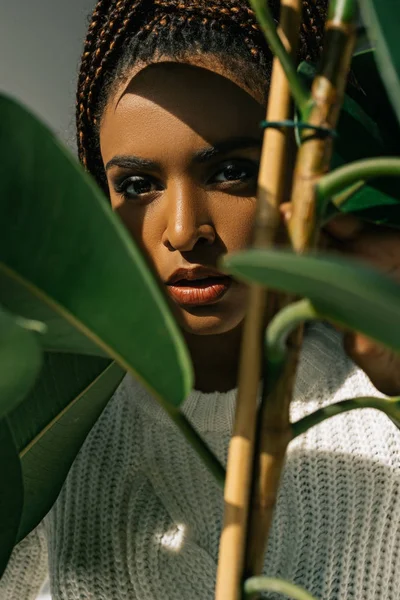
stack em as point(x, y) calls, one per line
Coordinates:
point(139, 517)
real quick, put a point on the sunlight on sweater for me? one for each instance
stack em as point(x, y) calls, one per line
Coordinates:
point(45, 592)
point(172, 539)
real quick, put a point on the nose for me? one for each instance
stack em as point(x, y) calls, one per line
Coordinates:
point(188, 221)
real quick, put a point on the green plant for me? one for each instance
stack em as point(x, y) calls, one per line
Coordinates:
point(81, 303)
point(80, 313)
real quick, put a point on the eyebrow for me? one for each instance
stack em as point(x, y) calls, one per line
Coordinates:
point(131, 162)
point(200, 156)
point(239, 143)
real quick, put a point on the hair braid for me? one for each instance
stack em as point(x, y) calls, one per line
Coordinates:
point(123, 31)
point(102, 45)
point(98, 16)
point(314, 15)
point(94, 28)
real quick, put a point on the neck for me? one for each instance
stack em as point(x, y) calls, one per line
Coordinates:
point(215, 360)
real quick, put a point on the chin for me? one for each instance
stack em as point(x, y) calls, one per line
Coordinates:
point(208, 320)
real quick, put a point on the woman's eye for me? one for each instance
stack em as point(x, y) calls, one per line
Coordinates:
point(135, 186)
point(235, 172)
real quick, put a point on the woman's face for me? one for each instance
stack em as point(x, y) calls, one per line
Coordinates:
point(181, 148)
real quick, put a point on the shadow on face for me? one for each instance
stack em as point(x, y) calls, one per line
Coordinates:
point(181, 147)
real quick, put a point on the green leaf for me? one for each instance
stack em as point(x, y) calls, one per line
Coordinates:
point(52, 424)
point(344, 291)
point(60, 335)
point(389, 406)
point(369, 92)
point(365, 131)
point(20, 361)
point(11, 496)
point(74, 255)
point(382, 19)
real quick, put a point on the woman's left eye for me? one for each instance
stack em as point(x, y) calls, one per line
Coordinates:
point(235, 172)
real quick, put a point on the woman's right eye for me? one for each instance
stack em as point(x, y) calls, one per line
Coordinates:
point(133, 187)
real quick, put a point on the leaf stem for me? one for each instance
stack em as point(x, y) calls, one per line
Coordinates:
point(349, 175)
point(256, 585)
point(298, 89)
point(279, 329)
point(342, 11)
point(197, 443)
point(390, 406)
point(274, 185)
point(284, 323)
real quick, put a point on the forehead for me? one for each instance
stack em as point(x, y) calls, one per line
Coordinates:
point(170, 104)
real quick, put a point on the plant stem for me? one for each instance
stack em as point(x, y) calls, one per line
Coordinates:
point(284, 323)
point(349, 175)
point(198, 445)
point(315, 153)
point(342, 11)
point(279, 330)
point(271, 188)
point(298, 89)
point(241, 448)
point(390, 406)
point(274, 430)
point(274, 187)
point(255, 585)
point(273, 436)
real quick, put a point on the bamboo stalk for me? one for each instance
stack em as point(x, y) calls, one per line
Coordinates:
point(327, 92)
point(240, 457)
point(272, 437)
point(274, 432)
point(241, 450)
point(282, 52)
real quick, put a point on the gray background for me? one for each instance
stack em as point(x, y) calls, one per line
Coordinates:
point(40, 46)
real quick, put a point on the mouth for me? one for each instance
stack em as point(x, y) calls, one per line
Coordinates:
point(198, 286)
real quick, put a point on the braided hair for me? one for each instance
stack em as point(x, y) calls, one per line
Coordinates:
point(122, 32)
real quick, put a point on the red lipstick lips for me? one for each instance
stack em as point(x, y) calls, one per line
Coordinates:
point(198, 286)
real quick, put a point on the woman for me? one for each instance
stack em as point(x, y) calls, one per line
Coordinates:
point(169, 99)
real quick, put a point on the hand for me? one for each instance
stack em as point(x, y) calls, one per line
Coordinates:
point(381, 247)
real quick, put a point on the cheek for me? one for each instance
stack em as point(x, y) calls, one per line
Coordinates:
point(235, 221)
point(232, 216)
point(143, 226)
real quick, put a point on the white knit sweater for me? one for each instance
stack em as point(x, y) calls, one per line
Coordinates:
point(139, 517)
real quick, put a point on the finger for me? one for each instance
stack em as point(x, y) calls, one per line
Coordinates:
point(286, 211)
point(344, 227)
point(380, 364)
point(325, 239)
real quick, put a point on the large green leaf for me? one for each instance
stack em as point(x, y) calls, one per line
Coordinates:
point(11, 495)
point(74, 255)
point(53, 422)
point(60, 335)
point(41, 437)
point(366, 130)
point(20, 361)
point(66, 260)
point(382, 19)
point(370, 93)
point(347, 292)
